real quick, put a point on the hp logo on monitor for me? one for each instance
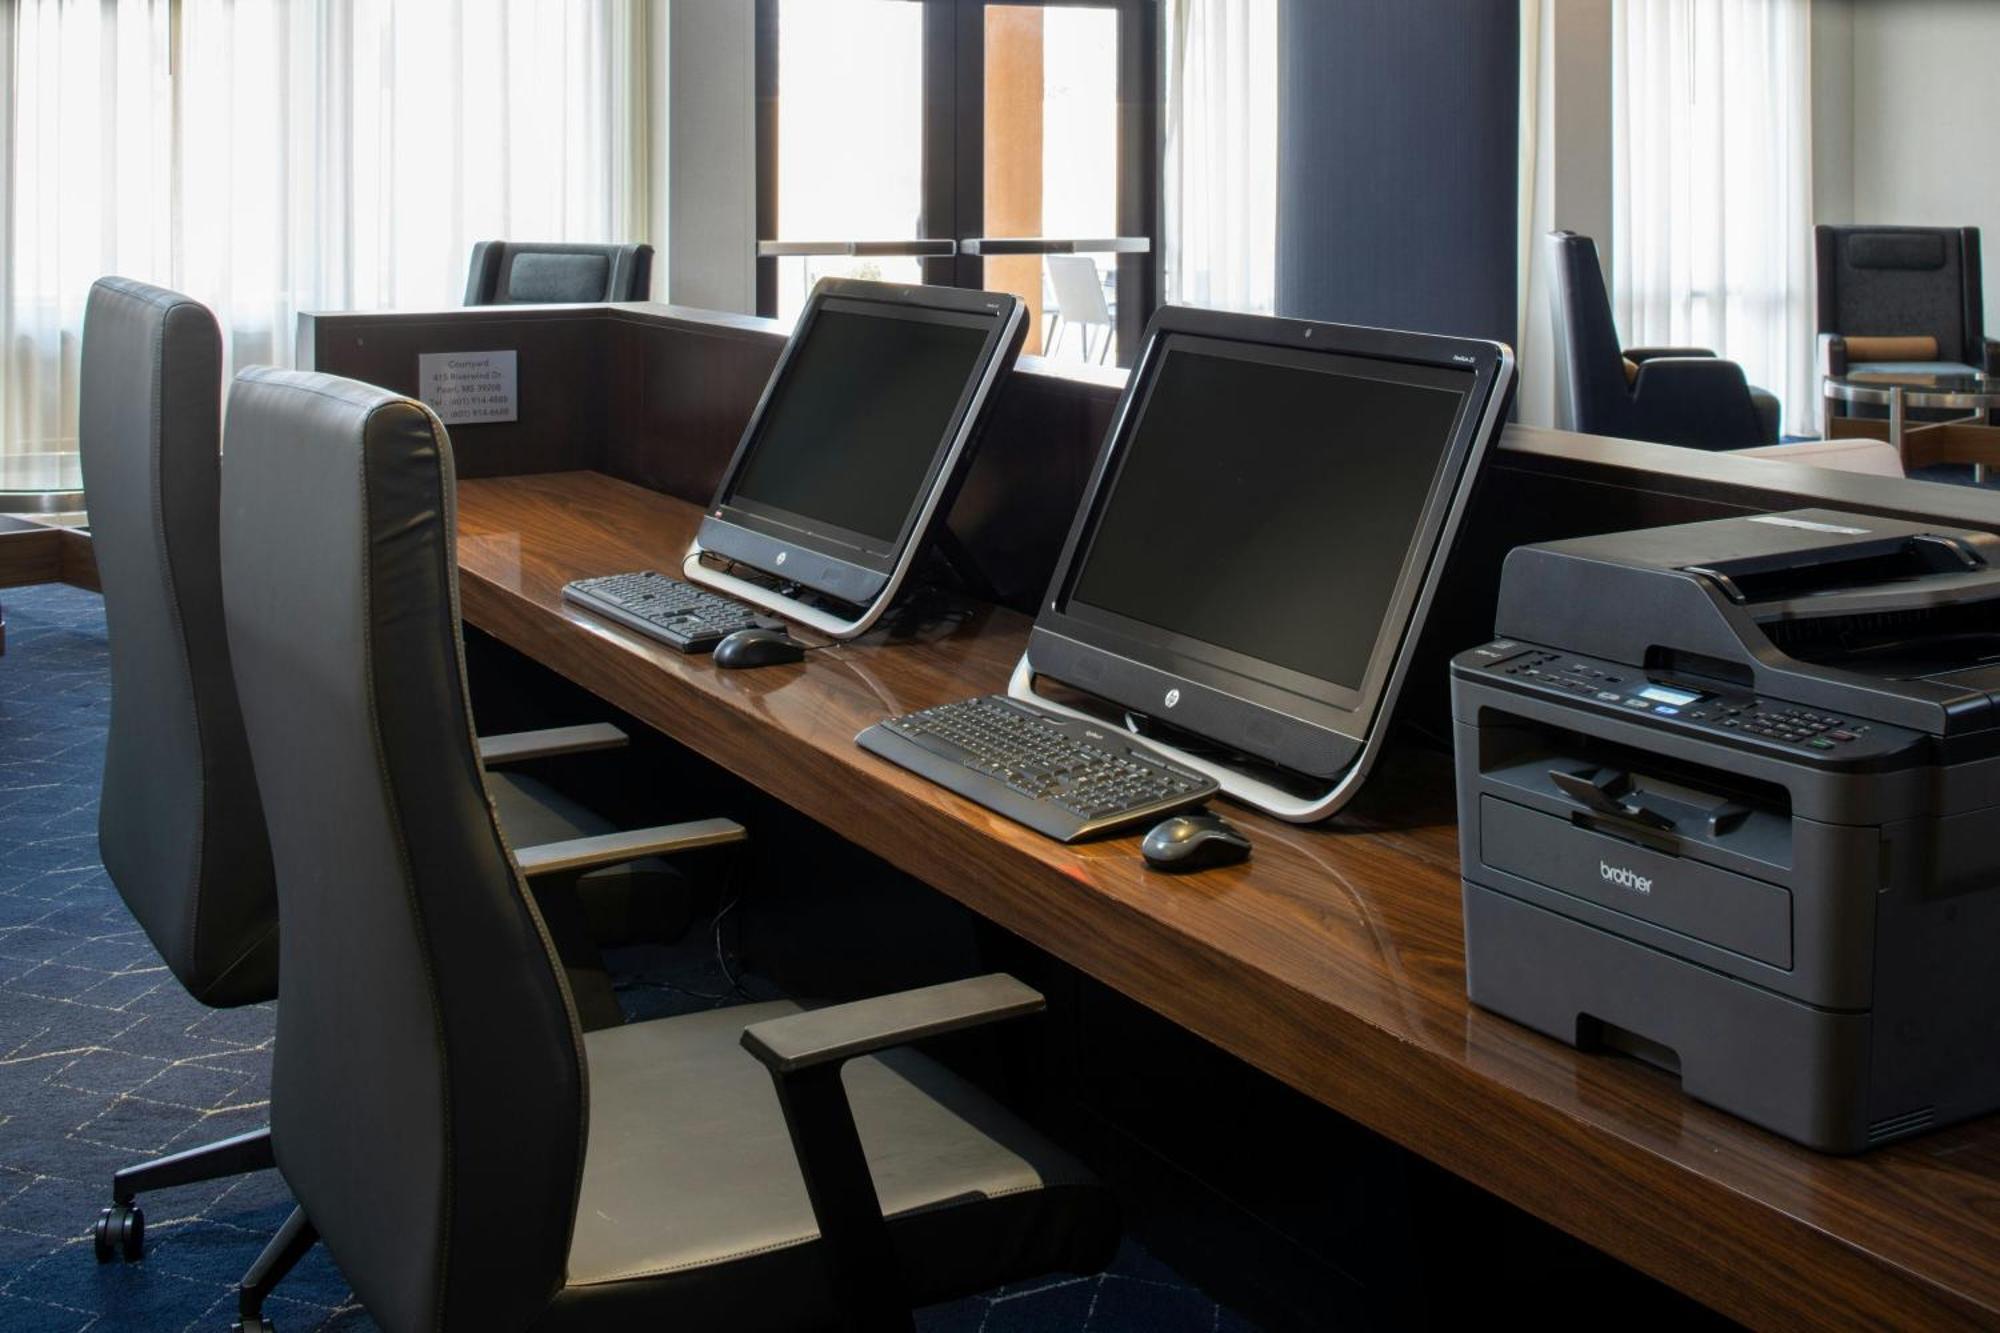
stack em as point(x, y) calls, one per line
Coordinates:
point(1173, 697)
point(781, 556)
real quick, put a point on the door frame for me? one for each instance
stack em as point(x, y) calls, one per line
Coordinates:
point(954, 146)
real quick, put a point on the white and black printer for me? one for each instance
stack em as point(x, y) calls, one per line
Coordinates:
point(1729, 801)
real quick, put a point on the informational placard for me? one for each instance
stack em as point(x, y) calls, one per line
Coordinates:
point(466, 388)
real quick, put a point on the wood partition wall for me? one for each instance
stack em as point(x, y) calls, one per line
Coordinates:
point(658, 395)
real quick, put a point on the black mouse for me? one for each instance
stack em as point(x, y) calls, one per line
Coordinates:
point(758, 647)
point(1194, 842)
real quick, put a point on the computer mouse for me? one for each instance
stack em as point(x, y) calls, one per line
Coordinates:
point(1194, 842)
point(758, 647)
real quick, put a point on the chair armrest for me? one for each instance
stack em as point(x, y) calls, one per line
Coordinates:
point(1832, 354)
point(514, 746)
point(804, 1053)
point(843, 1031)
point(1691, 374)
point(1644, 354)
point(1697, 402)
point(610, 849)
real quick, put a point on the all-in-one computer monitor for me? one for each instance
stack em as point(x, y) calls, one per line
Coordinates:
point(1260, 538)
point(855, 449)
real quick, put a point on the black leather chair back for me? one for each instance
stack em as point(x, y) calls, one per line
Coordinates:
point(179, 825)
point(1901, 282)
point(1592, 393)
point(510, 273)
point(1687, 397)
point(428, 1077)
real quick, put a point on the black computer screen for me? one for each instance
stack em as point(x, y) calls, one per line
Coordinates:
point(858, 417)
point(1266, 501)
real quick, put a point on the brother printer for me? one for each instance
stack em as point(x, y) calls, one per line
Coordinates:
point(1729, 800)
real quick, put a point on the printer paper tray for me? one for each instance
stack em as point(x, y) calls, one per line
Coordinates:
point(1744, 915)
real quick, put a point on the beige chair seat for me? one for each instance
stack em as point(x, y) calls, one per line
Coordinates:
point(690, 1181)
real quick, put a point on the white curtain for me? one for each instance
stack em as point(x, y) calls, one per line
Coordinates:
point(1220, 170)
point(1712, 186)
point(1534, 212)
point(273, 156)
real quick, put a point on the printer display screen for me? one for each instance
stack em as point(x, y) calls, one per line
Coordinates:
point(1667, 694)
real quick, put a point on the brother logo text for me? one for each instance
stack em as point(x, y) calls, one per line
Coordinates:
point(1623, 878)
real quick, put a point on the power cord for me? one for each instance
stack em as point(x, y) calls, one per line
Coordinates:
point(739, 875)
point(737, 990)
point(736, 986)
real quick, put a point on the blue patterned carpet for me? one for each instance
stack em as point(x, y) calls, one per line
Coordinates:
point(104, 1061)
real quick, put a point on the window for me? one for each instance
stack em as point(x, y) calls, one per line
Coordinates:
point(1220, 173)
point(268, 157)
point(1712, 186)
point(850, 149)
point(1023, 131)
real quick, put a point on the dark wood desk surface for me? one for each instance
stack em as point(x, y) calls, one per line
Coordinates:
point(1333, 960)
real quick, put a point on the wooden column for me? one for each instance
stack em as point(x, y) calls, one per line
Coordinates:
point(1014, 151)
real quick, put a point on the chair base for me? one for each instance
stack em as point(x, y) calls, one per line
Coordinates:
point(121, 1233)
point(294, 1239)
point(121, 1228)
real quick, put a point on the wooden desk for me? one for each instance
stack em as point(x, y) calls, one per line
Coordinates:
point(1332, 961)
point(33, 551)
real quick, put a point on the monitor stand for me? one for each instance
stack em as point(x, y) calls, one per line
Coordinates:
point(948, 563)
point(1165, 735)
point(941, 592)
point(835, 619)
point(1246, 781)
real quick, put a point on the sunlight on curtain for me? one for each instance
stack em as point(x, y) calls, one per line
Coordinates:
point(272, 156)
point(1080, 123)
point(1712, 186)
point(1220, 168)
point(850, 150)
point(85, 174)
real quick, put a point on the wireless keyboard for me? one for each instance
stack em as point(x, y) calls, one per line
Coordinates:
point(678, 614)
point(1062, 777)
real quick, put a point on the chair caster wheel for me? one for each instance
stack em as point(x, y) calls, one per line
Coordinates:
point(121, 1233)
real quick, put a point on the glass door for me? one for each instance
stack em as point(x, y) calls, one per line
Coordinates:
point(1003, 144)
point(841, 107)
point(1050, 230)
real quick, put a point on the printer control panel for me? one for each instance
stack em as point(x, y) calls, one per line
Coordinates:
point(1699, 707)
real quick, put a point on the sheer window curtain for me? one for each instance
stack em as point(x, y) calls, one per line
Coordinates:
point(1534, 343)
point(1220, 168)
point(1712, 186)
point(273, 156)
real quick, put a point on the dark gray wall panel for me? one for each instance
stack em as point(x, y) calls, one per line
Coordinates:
point(1396, 163)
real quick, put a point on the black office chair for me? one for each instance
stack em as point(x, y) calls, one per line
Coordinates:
point(1670, 395)
point(471, 1159)
point(1905, 299)
point(180, 828)
point(521, 272)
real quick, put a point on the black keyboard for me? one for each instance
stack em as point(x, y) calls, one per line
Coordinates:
point(1062, 777)
point(678, 614)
